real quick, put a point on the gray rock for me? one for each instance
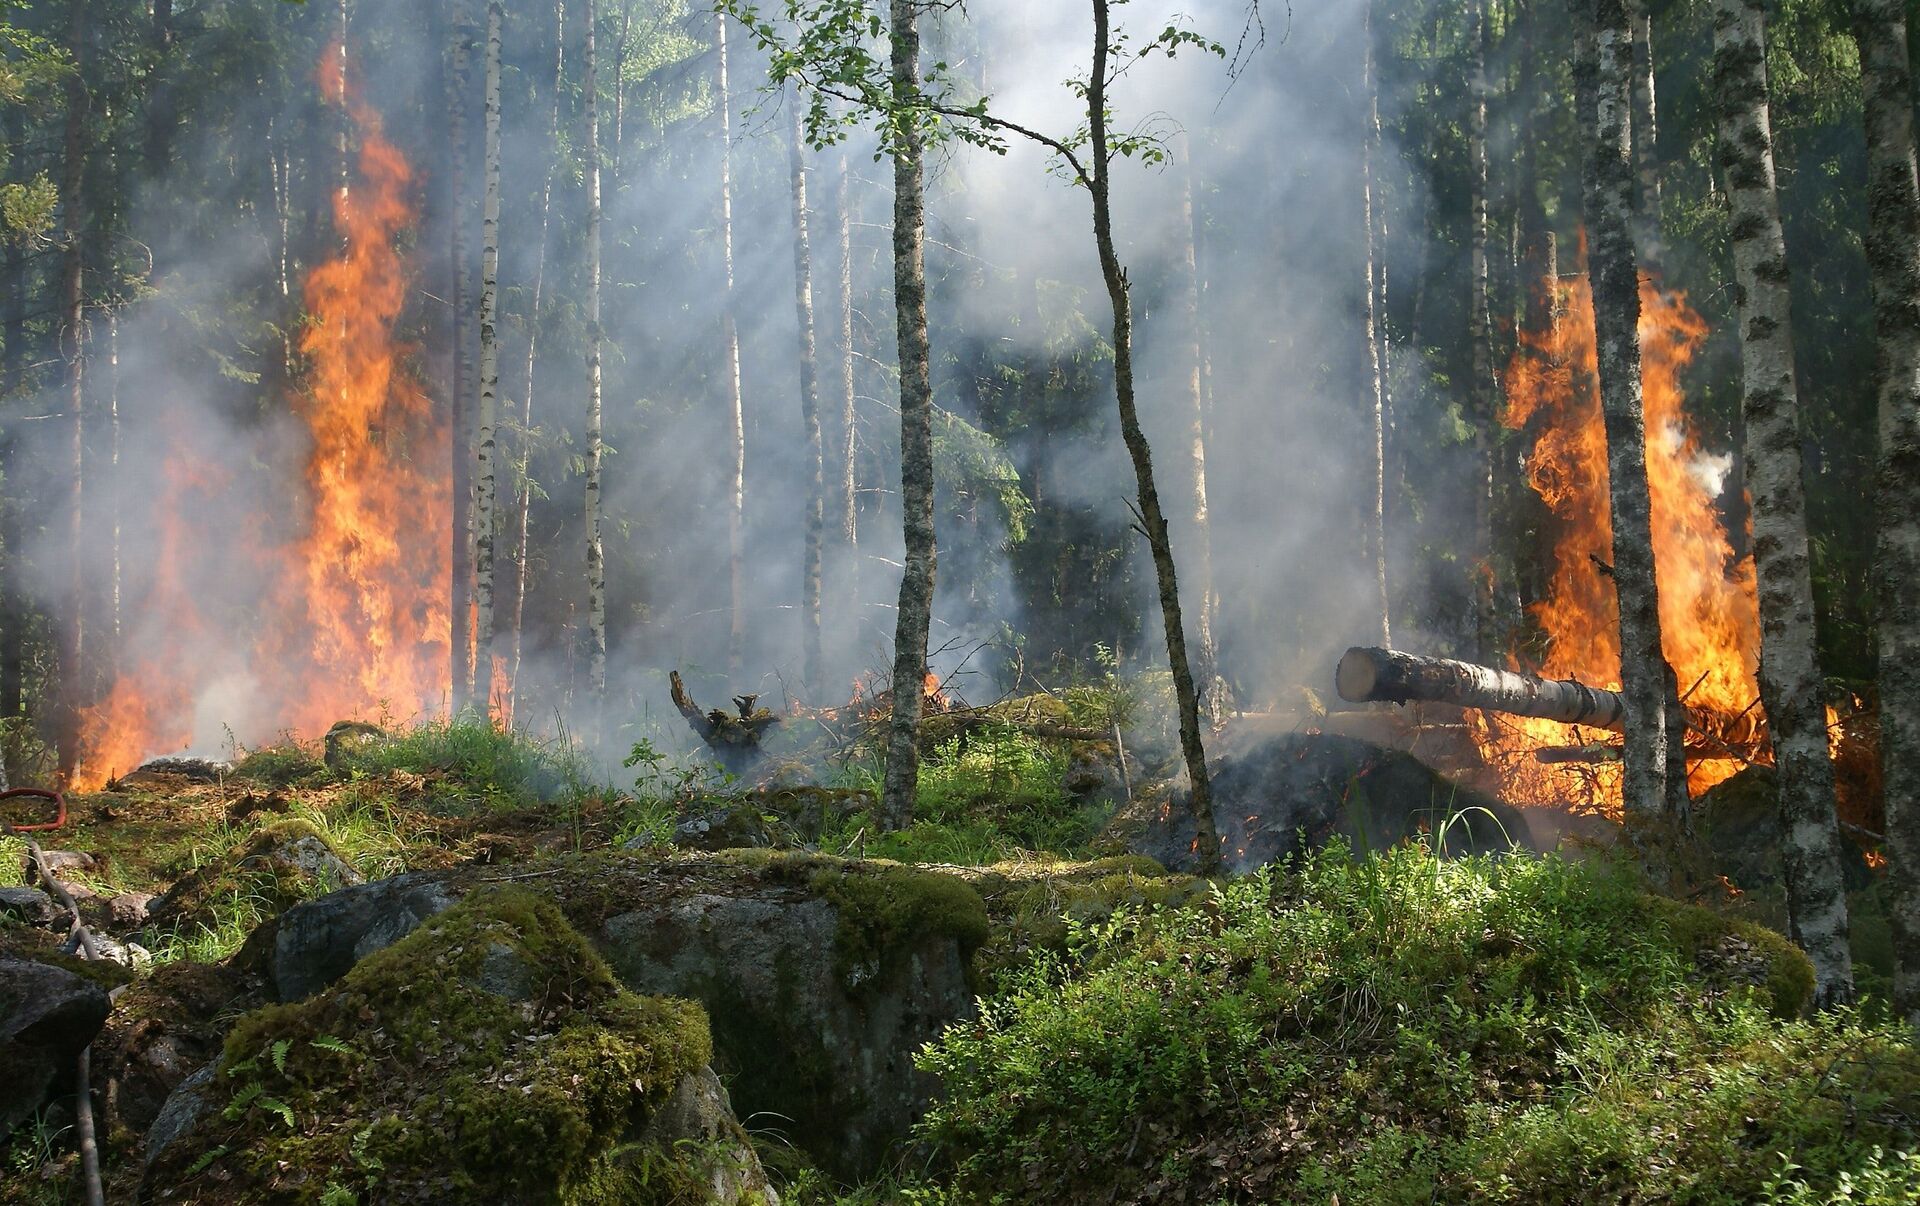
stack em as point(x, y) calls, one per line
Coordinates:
point(822, 1041)
point(126, 954)
point(129, 909)
point(66, 860)
point(1282, 795)
point(699, 1118)
point(48, 1015)
point(200, 770)
point(29, 906)
point(182, 1112)
point(318, 941)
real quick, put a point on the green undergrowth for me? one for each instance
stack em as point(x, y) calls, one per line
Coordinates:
point(988, 796)
point(1399, 1028)
point(488, 1056)
point(474, 764)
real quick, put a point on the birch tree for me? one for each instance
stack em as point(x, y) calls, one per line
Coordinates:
point(846, 487)
point(1601, 72)
point(596, 556)
point(815, 521)
point(1790, 678)
point(1893, 260)
point(460, 419)
point(523, 497)
point(1195, 404)
point(730, 369)
point(1376, 400)
point(483, 512)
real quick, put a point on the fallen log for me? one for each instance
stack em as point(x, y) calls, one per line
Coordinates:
point(1367, 675)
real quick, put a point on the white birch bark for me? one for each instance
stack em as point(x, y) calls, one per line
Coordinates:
point(484, 468)
point(1790, 679)
point(596, 558)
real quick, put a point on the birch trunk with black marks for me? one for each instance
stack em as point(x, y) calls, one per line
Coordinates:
point(1196, 416)
point(460, 395)
point(915, 616)
point(1153, 519)
point(487, 492)
point(72, 315)
point(1376, 400)
point(596, 556)
point(523, 496)
point(1893, 260)
point(815, 521)
point(1613, 266)
point(1480, 348)
point(730, 368)
point(1790, 681)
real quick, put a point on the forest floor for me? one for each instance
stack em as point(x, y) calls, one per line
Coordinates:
point(1384, 1027)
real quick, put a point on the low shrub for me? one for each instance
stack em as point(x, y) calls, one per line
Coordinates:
point(1402, 1028)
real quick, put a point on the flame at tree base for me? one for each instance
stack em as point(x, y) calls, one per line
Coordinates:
point(354, 621)
point(1709, 609)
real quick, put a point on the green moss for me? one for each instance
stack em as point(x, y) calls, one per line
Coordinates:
point(280, 766)
point(1732, 947)
point(885, 909)
point(489, 1056)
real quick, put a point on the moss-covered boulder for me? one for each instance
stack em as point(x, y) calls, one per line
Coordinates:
point(1283, 795)
point(1032, 905)
point(279, 864)
point(490, 1056)
point(821, 977)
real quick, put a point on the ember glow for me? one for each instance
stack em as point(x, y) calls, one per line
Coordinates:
point(1709, 611)
point(354, 623)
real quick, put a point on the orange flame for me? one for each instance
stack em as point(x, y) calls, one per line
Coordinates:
point(1709, 610)
point(358, 612)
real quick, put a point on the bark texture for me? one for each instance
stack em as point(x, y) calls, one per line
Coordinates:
point(915, 615)
point(486, 478)
point(1790, 681)
point(460, 395)
point(815, 521)
point(1602, 73)
point(1153, 519)
point(1368, 675)
point(1376, 401)
point(846, 502)
point(596, 556)
point(1486, 421)
point(1893, 259)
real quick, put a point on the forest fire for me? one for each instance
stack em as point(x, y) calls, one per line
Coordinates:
point(354, 621)
point(1708, 607)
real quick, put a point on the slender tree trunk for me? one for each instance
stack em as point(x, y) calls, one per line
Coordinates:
point(1646, 158)
point(162, 113)
point(1200, 800)
point(72, 638)
point(1376, 401)
point(596, 557)
point(1602, 72)
point(112, 659)
point(809, 408)
point(1893, 259)
point(846, 490)
point(1196, 407)
point(736, 416)
point(1480, 348)
point(460, 394)
point(483, 514)
point(523, 499)
point(1790, 682)
point(915, 616)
